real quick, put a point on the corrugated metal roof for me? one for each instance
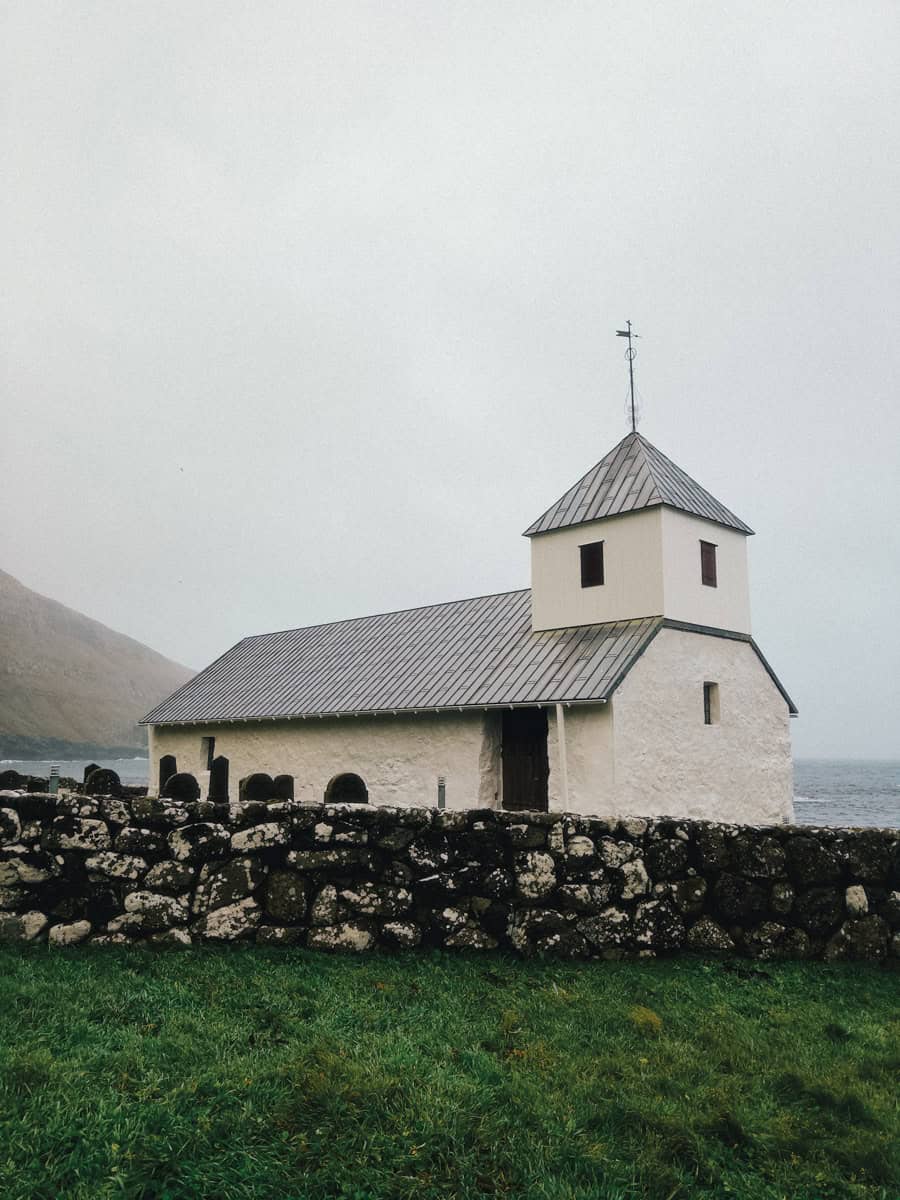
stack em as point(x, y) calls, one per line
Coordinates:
point(633, 475)
point(465, 654)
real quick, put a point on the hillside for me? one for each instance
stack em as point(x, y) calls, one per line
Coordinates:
point(67, 679)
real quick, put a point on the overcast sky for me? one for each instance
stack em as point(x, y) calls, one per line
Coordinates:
point(308, 309)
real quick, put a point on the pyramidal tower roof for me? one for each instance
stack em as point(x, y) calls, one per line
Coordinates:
point(632, 476)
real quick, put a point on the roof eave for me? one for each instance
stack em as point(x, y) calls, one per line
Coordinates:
point(738, 527)
point(735, 636)
point(567, 701)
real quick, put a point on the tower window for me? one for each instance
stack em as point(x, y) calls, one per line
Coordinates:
point(708, 564)
point(591, 564)
point(710, 704)
point(208, 751)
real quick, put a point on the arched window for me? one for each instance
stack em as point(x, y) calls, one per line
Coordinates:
point(346, 789)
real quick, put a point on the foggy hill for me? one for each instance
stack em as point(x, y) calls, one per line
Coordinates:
point(67, 679)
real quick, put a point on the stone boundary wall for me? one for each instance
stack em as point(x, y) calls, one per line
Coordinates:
point(107, 870)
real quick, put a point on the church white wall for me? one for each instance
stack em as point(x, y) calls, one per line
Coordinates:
point(399, 757)
point(589, 760)
point(668, 762)
point(633, 570)
point(687, 598)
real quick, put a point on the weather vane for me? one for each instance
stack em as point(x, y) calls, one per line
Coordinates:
point(629, 354)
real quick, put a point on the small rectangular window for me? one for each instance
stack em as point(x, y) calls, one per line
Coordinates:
point(710, 704)
point(591, 564)
point(208, 751)
point(708, 564)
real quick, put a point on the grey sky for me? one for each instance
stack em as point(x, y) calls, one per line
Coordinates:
point(309, 308)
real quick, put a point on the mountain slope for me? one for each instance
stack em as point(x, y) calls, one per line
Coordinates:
point(68, 678)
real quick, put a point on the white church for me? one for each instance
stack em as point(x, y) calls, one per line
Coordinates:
point(624, 681)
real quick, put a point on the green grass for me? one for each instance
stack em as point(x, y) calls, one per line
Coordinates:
point(255, 1073)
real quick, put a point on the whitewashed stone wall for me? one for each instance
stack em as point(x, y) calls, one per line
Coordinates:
point(668, 762)
point(399, 758)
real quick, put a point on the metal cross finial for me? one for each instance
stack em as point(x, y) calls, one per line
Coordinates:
point(629, 354)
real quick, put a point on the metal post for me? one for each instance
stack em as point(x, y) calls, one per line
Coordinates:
point(629, 354)
point(442, 792)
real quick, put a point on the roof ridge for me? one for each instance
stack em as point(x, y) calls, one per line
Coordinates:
point(607, 457)
point(391, 612)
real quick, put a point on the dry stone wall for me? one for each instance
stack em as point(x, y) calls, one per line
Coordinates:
point(107, 870)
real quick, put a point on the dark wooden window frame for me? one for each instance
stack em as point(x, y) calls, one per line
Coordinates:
point(208, 746)
point(708, 572)
point(592, 568)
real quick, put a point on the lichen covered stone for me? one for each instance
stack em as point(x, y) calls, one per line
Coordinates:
point(348, 937)
point(199, 843)
point(232, 923)
point(535, 875)
point(69, 935)
point(259, 837)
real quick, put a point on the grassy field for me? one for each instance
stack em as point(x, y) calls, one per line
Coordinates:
point(232, 1074)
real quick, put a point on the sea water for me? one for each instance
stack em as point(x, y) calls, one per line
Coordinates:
point(826, 791)
point(832, 791)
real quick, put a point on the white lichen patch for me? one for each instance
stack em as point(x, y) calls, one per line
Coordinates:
point(635, 881)
point(535, 875)
point(69, 935)
point(116, 866)
point(260, 837)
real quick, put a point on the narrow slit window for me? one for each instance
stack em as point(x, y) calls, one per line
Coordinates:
point(592, 564)
point(207, 751)
point(710, 704)
point(708, 564)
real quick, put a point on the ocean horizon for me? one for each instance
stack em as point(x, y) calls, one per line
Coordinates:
point(827, 791)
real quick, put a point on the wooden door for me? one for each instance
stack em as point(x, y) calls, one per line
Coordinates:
point(525, 765)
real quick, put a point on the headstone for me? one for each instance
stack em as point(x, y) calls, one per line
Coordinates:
point(103, 782)
point(257, 787)
point(167, 768)
point(218, 781)
point(181, 786)
point(11, 779)
point(89, 770)
point(283, 787)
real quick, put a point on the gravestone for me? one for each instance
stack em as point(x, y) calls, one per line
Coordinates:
point(103, 782)
point(89, 770)
point(167, 768)
point(283, 787)
point(11, 779)
point(257, 787)
point(181, 786)
point(218, 781)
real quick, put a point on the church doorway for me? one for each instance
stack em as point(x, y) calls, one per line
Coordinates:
point(525, 764)
point(346, 789)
